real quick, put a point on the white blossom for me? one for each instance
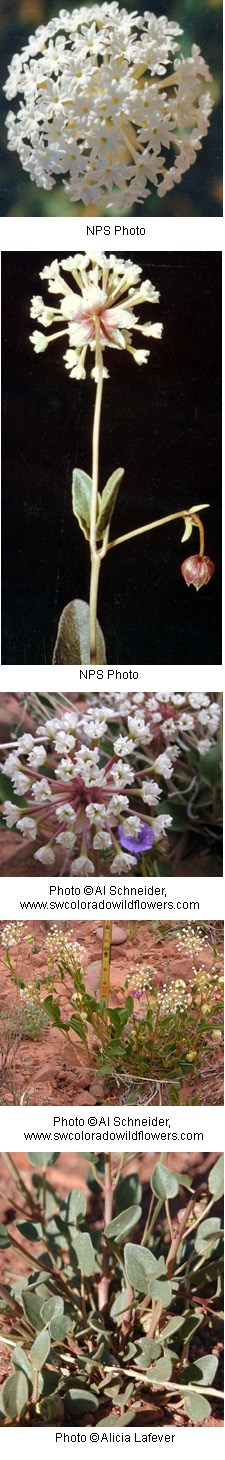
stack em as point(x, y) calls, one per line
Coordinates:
point(163, 764)
point(83, 866)
point(27, 825)
point(160, 825)
point(150, 792)
point(122, 862)
point(45, 855)
point(109, 103)
point(102, 292)
point(102, 840)
point(11, 813)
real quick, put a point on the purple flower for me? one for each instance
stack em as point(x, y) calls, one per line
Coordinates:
point(139, 844)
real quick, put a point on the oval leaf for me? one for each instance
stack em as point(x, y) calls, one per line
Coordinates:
point(82, 1245)
point(75, 1205)
point(32, 1306)
point(108, 501)
point(73, 637)
point(121, 1225)
point(164, 1183)
point(197, 1408)
point(161, 1371)
point(14, 1395)
point(202, 1371)
point(78, 1400)
point(40, 1349)
point(59, 1327)
point(141, 1267)
point(53, 1308)
point(81, 499)
point(216, 1178)
point(208, 1232)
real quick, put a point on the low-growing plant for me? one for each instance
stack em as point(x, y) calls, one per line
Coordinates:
point(157, 1033)
point(109, 1316)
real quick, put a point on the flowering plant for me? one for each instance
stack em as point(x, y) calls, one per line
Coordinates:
point(108, 102)
point(96, 308)
point(98, 786)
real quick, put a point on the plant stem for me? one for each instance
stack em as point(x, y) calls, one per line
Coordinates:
point(160, 522)
point(108, 1207)
point(95, 558)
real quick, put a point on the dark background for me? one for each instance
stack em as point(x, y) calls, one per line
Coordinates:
point(199, 193)
point(161, 422)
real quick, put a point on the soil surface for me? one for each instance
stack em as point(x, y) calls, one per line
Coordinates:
point(45, 1071)
point(70, 1171)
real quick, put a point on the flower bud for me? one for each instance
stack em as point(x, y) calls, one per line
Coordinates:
point(197, 570)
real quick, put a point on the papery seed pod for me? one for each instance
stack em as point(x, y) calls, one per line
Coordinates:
point(197, 570)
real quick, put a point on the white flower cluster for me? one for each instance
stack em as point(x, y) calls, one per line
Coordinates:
point(92, 778)
point(99, 316)
point(105, 96)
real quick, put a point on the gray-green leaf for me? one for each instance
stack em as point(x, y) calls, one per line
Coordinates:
point(14, 1395)
point(75, 1205)
point(40, 1349)
point(81, 499)
point(108, 501)
point(121, 1225)
point(78, 1400)
point(141, 1267)
point(197, 1408)
point(85, 1254)
point(73, 638)
point(164, 1183)
point(216, 1178)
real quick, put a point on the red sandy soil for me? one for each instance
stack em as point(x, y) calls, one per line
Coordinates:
point(72, 1170)
point(46, 1072)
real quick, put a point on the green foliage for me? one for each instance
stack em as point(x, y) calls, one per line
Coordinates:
point(107, 501)
point(82, 1347)
point(73, 638)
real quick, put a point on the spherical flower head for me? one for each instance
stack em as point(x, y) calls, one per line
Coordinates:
point(107, 101)
point(136, 845)
point(197, 570)
point(95, 309)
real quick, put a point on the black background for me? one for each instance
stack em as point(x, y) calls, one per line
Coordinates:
point(162, 423)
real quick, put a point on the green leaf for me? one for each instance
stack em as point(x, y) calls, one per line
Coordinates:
point(161, 1288)
point(108, 501)
point(59, 1327)
point(216, 1179)
point(119, 1305)
point(81, 499)
point(191, 1322)
point(125, 1419)
point(121, 1225)
point(73, 638)
point(161, 1371)
point(201, 1371)
point(128, 1191)
point(75, 1205)
point(197, 1408)
point(14, 1395)
point(53, 1308)
point(140, 1266)
point(32, 1306)
point(207, 1232)
point(78, 1400)
point(40, 1349)
point(32, 1230)
point(171, 1327)
point(5, 1240)
point(164, 1183)
point(149, 1349)
point(41, 1158)
point(21, 1361)
point(83, 1247)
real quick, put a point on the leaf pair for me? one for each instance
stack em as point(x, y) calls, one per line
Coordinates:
point(82, 496)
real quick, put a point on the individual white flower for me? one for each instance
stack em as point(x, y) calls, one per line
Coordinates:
point(26, 743)
point(160, 825)
point(37, 756)
point(122, 774)
point(122, 862)
point(117, 805)
point(186, 722)
point(67, 839)
point(12, 763)
point(204, 746)
point(45, 855)
point(138, 729)
point(97, 311)
point(65, 813)
point(41, 790)
point(132, 826)
point(64, 741)
point(96, 812)
point(169, 727)
point(27, 825)
point(198, 700)
point(163, 764)
point(11, 813)
point(21, 782)
point(123, 745)
point(174, 753)
point(83, 866)
point(178, 699)
point(94, 728)
point(102, 840)
point(150, 792)
point(106, 100)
